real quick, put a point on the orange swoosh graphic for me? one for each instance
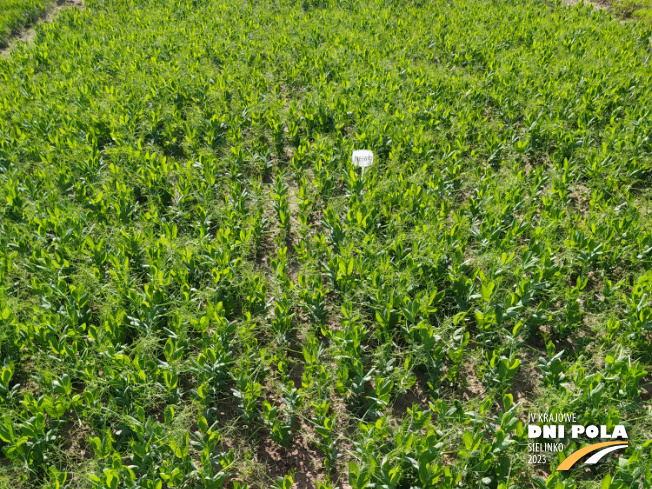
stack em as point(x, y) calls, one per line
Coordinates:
point(575, 456)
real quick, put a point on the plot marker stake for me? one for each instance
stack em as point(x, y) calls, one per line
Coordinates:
point(362, 158)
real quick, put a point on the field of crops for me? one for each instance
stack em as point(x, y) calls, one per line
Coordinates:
point(16, 14)
point(199, 290)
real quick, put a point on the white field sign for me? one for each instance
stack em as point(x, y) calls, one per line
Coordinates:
point(363, 158)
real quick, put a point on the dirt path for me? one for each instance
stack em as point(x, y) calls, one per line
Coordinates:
point(27, 35)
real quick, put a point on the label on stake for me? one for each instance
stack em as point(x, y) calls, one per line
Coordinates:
point(363, 158)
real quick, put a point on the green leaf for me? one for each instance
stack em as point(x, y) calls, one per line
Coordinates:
point(508, 400)
point(169, 414)
point(606, 482)
point(467, 438)
point(202, 424)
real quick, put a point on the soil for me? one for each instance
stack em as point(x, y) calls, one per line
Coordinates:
point(299, 457)
point(418, 395)
point(526, 382)
point(473, 388)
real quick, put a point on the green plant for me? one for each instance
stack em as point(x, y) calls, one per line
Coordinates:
point(191, 269)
